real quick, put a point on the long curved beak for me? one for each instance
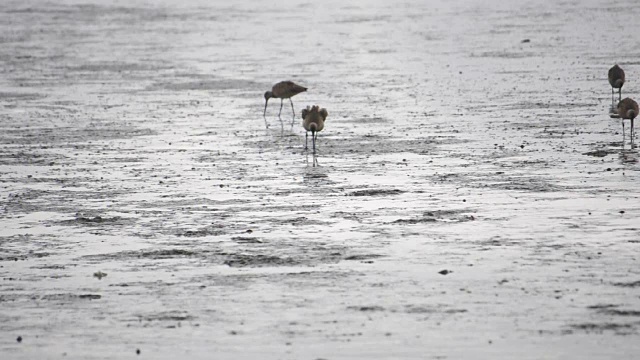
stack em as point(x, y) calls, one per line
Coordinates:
point(265, 108)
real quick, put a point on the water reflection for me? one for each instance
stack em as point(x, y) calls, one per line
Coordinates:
point(314, 162)
point(628, 156)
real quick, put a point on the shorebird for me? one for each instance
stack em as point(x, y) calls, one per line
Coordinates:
point(282, 90)
point(314, 118)
point(616, 79)
point(627, 109)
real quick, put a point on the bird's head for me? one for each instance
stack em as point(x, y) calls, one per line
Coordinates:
point(268, 95)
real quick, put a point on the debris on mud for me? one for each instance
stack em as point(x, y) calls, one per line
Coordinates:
point(599, 153)
point(90, 296)
point(631, 284)
point(99, 275)
point(375, 192)
point(363, 257)
point(242, 260)
point(439, 215)
point(601, 327)
point(369, 308)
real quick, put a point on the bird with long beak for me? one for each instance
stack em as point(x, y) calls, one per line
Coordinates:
point(313, 120)
point(282, 90)
point(616, 80)
point(627, 109)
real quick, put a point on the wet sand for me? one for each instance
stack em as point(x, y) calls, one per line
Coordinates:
point(471, 197)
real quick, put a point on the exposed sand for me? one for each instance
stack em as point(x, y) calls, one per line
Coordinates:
point(132, 143)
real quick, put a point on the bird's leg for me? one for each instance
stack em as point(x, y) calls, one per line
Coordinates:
point(620, 94)
point(613, 99)
point(294, 113)
point(279, 112)
point(313, 137)
point(623, 133)
point(632, 134)
point(265, 114)
point(306, 138)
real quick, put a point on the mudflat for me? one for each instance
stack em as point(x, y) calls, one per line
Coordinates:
point(470, 197)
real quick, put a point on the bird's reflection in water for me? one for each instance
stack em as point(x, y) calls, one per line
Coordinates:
point(314, 162)
point(313, 173)
point(628, 156)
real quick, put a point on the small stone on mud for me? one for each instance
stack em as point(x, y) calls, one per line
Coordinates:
point(521, 146)
point(621, 211)
point(99, 275)
point(249, 231)
point(137, 351)
point(19, 339)
point(444, 272)
point(608, 169)
point(526, 41)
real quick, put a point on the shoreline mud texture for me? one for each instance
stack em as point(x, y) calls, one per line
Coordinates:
point(470, 198)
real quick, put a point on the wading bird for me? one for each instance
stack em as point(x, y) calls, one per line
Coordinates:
point(627, 109)
point(313, 120)
point(616, 79)
point(282, 90)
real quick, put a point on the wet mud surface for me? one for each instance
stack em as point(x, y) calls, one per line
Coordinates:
point(470, 196)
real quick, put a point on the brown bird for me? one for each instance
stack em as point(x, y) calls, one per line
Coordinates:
point(313, 120)
point(616, 79)
point(282, 90)
point(627, 109)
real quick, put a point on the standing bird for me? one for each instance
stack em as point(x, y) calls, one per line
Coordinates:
point(282, 90)
point(616, 79)
point(627, 109)
point(313, 120)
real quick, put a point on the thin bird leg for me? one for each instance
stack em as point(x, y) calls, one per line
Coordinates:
point(620, 94)
point(294, 113)
point(265, 114)
point(313, 137)
point(622, 132)
point(632, 133)
point(306, 138)
point(613, 99)
point(281, 122)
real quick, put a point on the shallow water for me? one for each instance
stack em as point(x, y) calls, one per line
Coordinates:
point(132, 144)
